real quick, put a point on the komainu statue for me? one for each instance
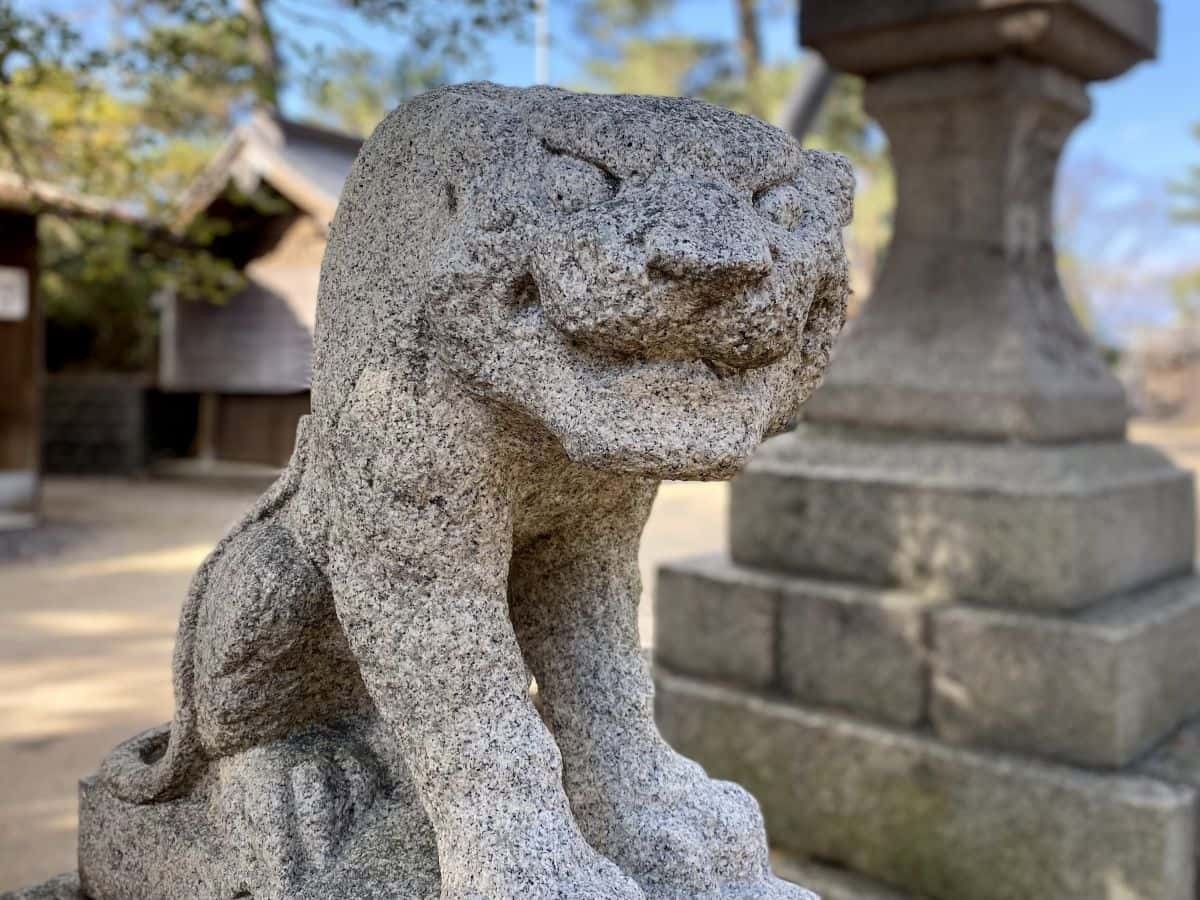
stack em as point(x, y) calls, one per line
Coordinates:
point(534, 306)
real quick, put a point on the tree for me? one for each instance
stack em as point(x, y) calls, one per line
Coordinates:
point(1185, 287)
point(356, 89)
point(1108, 221)
point(635, 48)
point(135, 112)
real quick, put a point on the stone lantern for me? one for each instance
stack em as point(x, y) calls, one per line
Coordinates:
point(952, 648)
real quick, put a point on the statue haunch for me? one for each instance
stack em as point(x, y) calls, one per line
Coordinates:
point(534, 306)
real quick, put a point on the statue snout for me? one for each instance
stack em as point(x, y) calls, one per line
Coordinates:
point(725, 254)
point(705, 237)
point(682, 269)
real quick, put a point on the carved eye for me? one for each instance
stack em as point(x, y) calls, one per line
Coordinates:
point(574, 184)
point(783, 204)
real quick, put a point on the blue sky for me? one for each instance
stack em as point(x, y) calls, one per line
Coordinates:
point(1143, 120)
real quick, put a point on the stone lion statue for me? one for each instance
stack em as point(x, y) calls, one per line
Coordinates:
point(534, 306)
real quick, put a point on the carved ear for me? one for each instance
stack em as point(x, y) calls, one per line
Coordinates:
point(832, 176)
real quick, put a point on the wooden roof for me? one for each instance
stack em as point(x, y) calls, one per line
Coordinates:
point(306, 164)
point(260, 341)
point(33, 196)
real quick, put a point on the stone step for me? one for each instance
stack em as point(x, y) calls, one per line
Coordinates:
point(1098, 688)
point(946, 822)
point(831, 883)
point(1035, 526)
point(1177, 759)
point(832, 644)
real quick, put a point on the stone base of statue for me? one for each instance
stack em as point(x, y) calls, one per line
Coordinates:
point(950, 665)
point(316, 815)
point(311, 817)
point(64, 887)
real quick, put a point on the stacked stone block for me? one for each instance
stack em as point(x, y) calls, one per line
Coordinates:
point(953, 646)
point(960, 721)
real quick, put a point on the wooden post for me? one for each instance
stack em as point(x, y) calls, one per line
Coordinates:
point(20, 371)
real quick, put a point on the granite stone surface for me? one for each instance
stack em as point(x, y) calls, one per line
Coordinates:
point(1177, 759)
point(715, 622)
point(944, 823)
point(1097, 688)
point(64, 887)
point(968, 332)
point(534, 306)
point(834, 644)
point(1019, 525)
point(855, 648)
point(1093, 38)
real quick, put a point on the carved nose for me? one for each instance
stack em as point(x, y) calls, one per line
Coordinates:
point(714, 255)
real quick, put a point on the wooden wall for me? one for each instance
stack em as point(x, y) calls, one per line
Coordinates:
point(20, 377)
point(258, 429)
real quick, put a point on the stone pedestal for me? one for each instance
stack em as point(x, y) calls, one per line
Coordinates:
point(967, 332)
point(953, 643)
point(64, 887)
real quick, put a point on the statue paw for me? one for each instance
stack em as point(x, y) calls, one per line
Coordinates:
point(689, 837)
point(553, 864)
point(330, 790)
point(292, 804)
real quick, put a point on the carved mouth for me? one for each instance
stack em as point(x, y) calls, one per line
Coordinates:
point(697, 414)
point(526, 310)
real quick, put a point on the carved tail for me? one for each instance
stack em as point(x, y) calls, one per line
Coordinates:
point(164, 762)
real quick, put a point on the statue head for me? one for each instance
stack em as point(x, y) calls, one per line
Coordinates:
point(657, 282)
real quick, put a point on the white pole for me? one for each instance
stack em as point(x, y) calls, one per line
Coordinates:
point(541, 46)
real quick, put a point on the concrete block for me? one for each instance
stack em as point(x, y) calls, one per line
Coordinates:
point(1050, 527)
point(1097, 688)
point(1094, 38)
point(717, 621)
point(827, 643)
point(832, 883)
point(948, 823)
point(854, 648)
point(1177, 759)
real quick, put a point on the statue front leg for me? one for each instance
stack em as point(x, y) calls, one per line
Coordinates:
point(425, 611)
point(657, 814)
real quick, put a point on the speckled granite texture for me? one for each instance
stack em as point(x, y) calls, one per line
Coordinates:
point(534, 306)
point(64, 887)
